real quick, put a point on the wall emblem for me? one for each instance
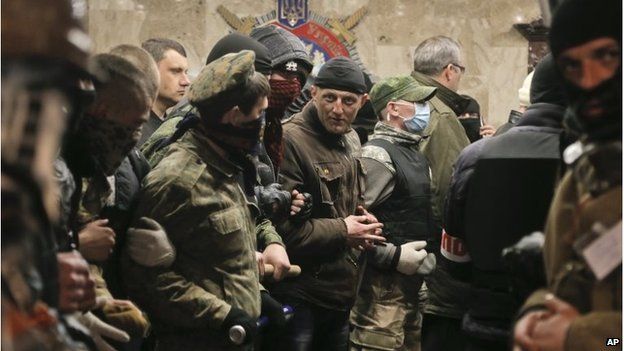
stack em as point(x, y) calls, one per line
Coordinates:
point(324, 37)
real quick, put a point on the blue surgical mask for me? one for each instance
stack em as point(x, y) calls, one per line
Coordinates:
point(419, 121)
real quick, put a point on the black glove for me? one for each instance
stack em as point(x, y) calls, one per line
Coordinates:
point(237, 316)
point(525, 264)
point(272, 309)
point(273, 201)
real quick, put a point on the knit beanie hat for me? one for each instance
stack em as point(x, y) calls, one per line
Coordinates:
point(283, 46)
point(546, 85)
point(235, 42)
point(341, 73)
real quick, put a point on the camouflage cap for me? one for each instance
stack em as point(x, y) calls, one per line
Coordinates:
point(222, 74)
point(398, 88)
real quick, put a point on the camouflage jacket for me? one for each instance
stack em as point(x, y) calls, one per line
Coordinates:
point(323, 165)
point(152, 148)
point(195, 195)
point(588, 194)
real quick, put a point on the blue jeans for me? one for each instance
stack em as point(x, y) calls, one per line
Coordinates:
point(315, 328)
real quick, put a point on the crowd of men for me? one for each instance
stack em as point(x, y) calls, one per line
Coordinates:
point(258, 206)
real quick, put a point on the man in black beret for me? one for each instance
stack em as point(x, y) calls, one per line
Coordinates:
point(319, 145)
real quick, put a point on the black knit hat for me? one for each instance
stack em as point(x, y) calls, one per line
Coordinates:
point(235, 42)
point(578, 21)
point(341, 73)
point(546, 84)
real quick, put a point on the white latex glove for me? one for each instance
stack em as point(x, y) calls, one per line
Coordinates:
point(99, 329)
point(428, 264)
point(412, 257)
point(148, 244)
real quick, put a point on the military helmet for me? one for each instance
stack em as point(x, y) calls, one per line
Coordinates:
point(44, 29)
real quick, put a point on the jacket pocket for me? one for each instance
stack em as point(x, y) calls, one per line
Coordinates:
point(330, 175)
point(228, 220)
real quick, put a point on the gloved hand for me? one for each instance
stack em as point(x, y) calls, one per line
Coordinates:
point(273, 201)
point(148, 244)
point(428, 264)
point(411, 257)
point(237, 316)
point(99, 329)
point(272, 309)
point(124, 315)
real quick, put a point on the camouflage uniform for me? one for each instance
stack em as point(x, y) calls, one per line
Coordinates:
point(386, 313)
point(194, 192)
point(590, 193)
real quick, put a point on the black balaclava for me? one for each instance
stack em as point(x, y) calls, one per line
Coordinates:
point(546, 83)
point(577, 22)
point(472, 125)
point(236, 42)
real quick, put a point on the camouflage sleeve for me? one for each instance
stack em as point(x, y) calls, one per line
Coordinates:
point(312, 238)
point(266, 234)
point(379, 178)
point(163, 292)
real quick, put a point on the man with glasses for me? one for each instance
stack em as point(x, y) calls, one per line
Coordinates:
point(438, 63)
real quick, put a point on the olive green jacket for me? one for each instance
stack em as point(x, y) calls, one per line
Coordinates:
point(443, 140)
point(194, 194)
point(572, 214)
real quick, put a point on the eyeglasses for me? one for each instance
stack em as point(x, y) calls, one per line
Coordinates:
point(462, 69)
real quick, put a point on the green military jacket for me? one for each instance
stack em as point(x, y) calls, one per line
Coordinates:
point(154, 153)
point(151, 149)
point(194, 194)
point(323, 165)
point(444, 139)
point(576, 207)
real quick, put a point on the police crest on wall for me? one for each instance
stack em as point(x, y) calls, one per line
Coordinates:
point(323, 37)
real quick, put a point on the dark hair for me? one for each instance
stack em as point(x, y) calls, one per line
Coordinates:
point(158, 46)
point(244, 96)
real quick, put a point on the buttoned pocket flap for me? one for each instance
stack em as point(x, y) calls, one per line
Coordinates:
point(228, 220)
point(329, 171)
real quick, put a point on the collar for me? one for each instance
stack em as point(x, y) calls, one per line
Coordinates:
point(456, 102)
point(388, 132)
point(212, 154)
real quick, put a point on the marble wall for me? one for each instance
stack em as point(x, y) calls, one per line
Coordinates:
point(495, 54)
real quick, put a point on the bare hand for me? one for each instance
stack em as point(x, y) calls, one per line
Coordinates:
point(276, 256)
point(298, 200)
point(523, 331)
point(360, 210)
point(361, 234)
point(96, 240)
point(550, 332)
point(487, 130)
point(260, 262)
point(76, 286)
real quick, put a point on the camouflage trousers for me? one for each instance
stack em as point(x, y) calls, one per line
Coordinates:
point(386, 314)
